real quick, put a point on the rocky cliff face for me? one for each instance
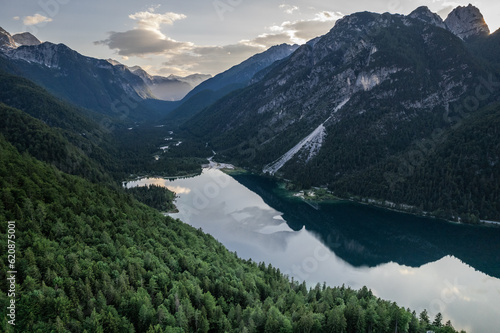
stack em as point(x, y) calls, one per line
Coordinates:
point(424, 14)
point(467, 22)
point(6, 40)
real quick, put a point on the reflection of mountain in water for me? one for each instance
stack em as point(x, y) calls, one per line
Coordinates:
point(368, 236)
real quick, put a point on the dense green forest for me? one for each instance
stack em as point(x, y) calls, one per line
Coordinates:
point(92, 259)
point(458, 174)
point(84, 143)
point(155, 196)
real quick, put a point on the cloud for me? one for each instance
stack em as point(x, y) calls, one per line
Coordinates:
point(140, 42)
point(215, 59)
point(445, 11)
point(184, 58)
point(301, 31)
point(146, 38)
point(269, 39)
point(152, 21)
point(16, 18)
point(208, 59)
point(36, 19)
point(289, 9)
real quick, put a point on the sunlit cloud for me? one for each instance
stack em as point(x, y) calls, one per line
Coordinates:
point(446, 7)
point(36, 19)
point(153, 21)
point(139, 42)
point(146, 38)
point(301, 31)
point(184, 58)
point(289, 9)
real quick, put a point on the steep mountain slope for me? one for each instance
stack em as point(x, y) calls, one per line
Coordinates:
point(364, 92)
point(236, 77)
point(487, 47)
point(82, 142)
point(87, 82)
point(6, 40)
point(53, 131)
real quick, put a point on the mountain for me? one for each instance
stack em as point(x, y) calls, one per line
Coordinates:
point(171, 88)
point(365, 94)
point(53, 131)
point(95, 259)
point(234, 78)
point(424, 14)
point(26, 38)
point(467, 22)
point(487, 47)
point(6, 40)
point(87, 82)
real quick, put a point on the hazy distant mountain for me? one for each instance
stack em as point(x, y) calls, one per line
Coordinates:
point(349, 109)
point(172, 87)
point(234, 78)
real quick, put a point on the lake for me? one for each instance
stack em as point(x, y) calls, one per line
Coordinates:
point(420, 263)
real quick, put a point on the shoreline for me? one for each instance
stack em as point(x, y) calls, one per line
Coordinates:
point(383, 204)
point(305, 195)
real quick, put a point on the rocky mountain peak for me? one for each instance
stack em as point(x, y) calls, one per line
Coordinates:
point(466, 22)
point(26, 38)
point(423, 13)
point(6, 40)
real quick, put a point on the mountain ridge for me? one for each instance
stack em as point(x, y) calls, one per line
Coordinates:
point(235, 78)
point(111, 90)
point(398, 80)
point(166, 88)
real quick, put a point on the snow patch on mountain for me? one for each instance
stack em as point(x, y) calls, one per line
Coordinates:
point(46, 54)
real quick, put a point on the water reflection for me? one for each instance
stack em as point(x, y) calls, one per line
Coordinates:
point(419, 263)
point(368, 236)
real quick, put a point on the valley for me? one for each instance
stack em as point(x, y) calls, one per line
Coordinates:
point(344, 183)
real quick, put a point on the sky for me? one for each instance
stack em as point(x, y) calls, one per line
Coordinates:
point(184, 37)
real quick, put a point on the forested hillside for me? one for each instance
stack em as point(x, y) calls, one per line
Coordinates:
point(92, 259)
